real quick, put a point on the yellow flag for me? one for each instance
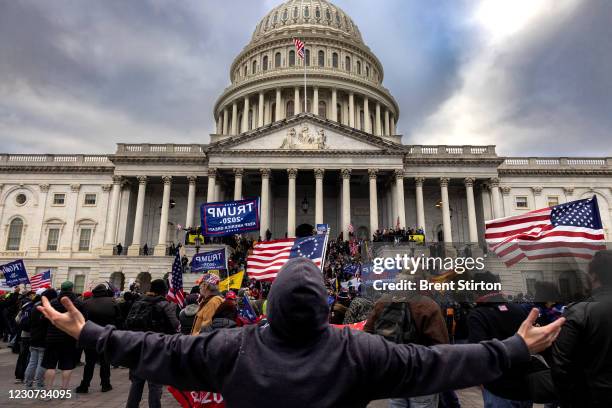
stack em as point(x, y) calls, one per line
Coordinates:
point(233, 282)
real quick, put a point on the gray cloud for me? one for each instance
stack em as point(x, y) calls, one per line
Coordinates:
point(80, 77)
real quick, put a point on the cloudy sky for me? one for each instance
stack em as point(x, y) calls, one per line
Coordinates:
point(533, 77)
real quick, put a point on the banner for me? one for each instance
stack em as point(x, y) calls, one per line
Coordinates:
point(352, 269)
point(206, 261)
point(197, 399)
point(322, 229)
point(15, 273)
point(191, 238)
point(233, 282)
point(420, 238)
point(230, 217)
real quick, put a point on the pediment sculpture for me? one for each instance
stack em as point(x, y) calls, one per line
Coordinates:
point(305, 139)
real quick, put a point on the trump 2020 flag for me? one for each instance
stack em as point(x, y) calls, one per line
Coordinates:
point(573, 229)
point(15, 273)
point(269, 256)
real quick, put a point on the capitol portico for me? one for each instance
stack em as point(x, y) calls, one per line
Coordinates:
point(324, 152)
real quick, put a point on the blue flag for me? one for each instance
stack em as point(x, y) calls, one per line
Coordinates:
point(230, 217)
point(211, 260)
point(247, 310)
point(15, 273)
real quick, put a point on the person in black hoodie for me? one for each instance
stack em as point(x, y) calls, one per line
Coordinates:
point(60, 348)
point(298, 359)
point(101, 309)
point(38, 333)
point(187, 315)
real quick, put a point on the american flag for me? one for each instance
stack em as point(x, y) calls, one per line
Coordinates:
point(350, 228)
point(573, 229)
point(175, 292)
point(299, 47)
point(269, 256)
point(42, 280)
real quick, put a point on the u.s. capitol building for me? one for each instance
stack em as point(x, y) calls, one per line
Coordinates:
point(330, 154)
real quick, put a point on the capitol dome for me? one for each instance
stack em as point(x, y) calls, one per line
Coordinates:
point(344, 79)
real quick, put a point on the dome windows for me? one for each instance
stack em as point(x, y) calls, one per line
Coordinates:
point(290, 109)
point(295, 12)
point(307, 57)
point(327, 15)
point(335, 60)
point(358, 67)
point(277, 60)
point(275, 18)
point(318, 13)
point(254, 67)
point(21, 199)
point(264, 64)
point(291, 58)
point(347, 64)
point(323, 109)
point(285, 15)
point(306, 12)
point(321, 58)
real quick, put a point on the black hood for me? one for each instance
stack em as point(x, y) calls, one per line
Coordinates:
point(297, 304)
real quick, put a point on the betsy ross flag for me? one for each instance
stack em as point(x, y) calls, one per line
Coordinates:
point(573, 229)
point(175, 291)
point(42, 280)
point(299, 47)
point(269, 256)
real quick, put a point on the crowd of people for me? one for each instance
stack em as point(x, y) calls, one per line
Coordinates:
point(575, 372)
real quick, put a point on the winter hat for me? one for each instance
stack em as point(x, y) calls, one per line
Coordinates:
point(50, 293)
point(230, 295)
point(67, 286)
point(210, 279)
point(87, 294)
point(159, 287)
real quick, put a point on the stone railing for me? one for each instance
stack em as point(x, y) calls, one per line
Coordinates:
point(559, 162)
point(451, 151)
point(54, 159)
point(154, 149)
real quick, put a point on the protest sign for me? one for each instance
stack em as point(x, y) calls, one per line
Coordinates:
point(230, 217)
point(207, 261)
point(322, 229)
point(15, 273)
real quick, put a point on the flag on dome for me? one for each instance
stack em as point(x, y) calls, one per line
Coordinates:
point(573, 229)
point(299, 47)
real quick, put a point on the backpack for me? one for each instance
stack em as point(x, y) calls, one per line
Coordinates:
point(24, 317)
point(146, 316)
point(395, 323)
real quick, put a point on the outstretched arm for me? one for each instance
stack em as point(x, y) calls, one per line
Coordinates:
point(185, 362)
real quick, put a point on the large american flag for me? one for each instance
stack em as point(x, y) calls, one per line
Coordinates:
point(175, 291)
point(299, 47)
point(573, 229)
point(269, 256)
point(41, 280)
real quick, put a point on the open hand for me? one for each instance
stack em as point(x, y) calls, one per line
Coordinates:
point(71, 322)
point(539, 339)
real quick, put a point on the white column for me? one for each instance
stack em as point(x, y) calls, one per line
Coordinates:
point(260, 110)
point(111, 226)
point(346, 202)
point(210, 192)
point(265, 203)
point(345, 109)
point(497, 212)
point(238, 184)
point(538, 200)
point(373, 202)
point(446, 219)
point(191, 199)
point(134, 249)
point(292, 173)
point(315, 100)
point(245, 115)
point(394, 209)
point(160, 248)
point(296, 100)
point(357, 116)
point(367, 126)
point(219, 129)
point(225, 130)
point(334, 107)
point(319, 173)
point(267, 112)
point(234, 130)
point(254, 116)
point(387, 122)
point(471, 207)
point(420, 208)
point(392, 126)
point(378, 122)
point(401, 207)
point(351, 110)
point(279, 104)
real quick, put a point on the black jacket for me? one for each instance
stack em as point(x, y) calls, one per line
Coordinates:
point(171, 324)
point(187, 316)
point(299, 360)
point(219, 323)
point(582, 354)
point(38, 327)
point(55, 335)
point(102, 309)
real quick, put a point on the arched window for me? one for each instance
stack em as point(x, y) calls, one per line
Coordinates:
point(358, 67)
point(307, 57)
point(244, 70)
point(14, 235)
point(277, 60)
point(295, 12)
point(291, 58)
point(264, 64)
point(323, 109)
point(318, 12)
point(273, 112)
point(347, 64)
point(306, 12)
point(368, 71)
point(254, 67)
point(290, 109)
point(335, 60)
point(327, 14)
point(275, 18)
point(339, 113)
point(285, 15)
point(321, 58)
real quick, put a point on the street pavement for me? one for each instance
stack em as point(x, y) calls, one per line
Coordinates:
point(470, 398)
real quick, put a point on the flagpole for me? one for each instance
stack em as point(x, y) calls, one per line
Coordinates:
point(304, 59)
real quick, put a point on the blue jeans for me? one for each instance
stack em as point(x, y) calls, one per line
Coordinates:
point(34, 371)
point(493, 401)
point(425, 401)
